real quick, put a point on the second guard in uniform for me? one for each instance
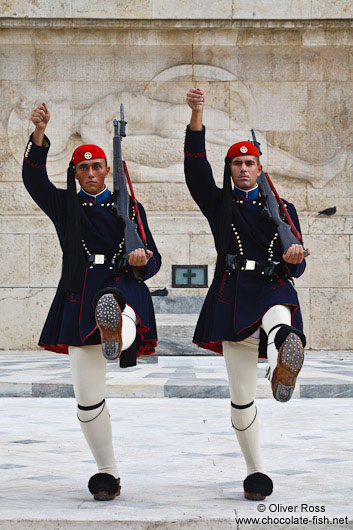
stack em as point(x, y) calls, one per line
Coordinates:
point(101, 298)
point(252, 295)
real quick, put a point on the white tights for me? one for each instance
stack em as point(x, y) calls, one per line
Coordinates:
point(88, 371)
point(241, 362)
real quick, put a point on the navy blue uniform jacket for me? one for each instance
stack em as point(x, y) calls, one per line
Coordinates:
point(71, 320)
point(235, 303)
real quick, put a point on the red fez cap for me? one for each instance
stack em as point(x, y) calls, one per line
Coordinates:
point(86, 152)
point(242, 148)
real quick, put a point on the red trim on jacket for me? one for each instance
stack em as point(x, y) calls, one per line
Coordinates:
point(215, 346)
point(59, 348)
point(79, 318)
point(32, 164)
point(150, 343)
point(144, 349)
point(222, 287)
point(194, 155)
point(260, 317)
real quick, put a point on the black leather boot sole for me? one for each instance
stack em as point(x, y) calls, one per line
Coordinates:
point(289, 363)
point(109, 321)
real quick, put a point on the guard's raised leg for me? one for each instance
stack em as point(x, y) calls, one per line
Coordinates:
point(116, 321)
point(285, 351)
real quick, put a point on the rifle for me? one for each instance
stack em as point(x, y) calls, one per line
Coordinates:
point(121, 205)
point(287, 233)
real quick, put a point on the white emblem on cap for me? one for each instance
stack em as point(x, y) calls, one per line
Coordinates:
point(244, 149)
point(88, 155)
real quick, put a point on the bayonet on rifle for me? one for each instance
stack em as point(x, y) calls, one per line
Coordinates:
point(122, 198)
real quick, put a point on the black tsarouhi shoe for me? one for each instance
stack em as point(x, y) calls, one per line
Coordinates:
point(104, 487)
point(257, 487)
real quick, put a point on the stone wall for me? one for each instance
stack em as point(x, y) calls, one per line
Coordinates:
point(283, 68)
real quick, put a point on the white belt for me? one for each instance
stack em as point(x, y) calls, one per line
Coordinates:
point(250, 265)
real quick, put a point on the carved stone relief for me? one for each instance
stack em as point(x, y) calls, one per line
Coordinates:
point(153, 148)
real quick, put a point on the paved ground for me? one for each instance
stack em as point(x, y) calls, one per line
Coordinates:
point(179, 463)
point(44, 374)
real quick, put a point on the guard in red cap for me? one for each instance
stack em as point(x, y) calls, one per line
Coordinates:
point(242, 149)
point(87, 152)
point(101, 293)
point(251, 307)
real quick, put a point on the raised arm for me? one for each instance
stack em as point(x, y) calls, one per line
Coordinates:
point(198, 172)
point(40, 118)
point(49, 199)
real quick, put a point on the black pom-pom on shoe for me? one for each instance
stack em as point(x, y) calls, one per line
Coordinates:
point(283, 333)
point(118, 295)
point(257, 487)
point(104, 487)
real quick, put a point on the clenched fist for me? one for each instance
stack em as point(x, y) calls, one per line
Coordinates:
point(139, 257)
point(196, 98)
point(295, 254)
point(40, 117)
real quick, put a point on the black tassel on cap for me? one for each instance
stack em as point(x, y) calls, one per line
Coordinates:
point(74, 261)
point(225, 220)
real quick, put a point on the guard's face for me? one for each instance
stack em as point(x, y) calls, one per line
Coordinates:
point(245, 170)
point(91, 175)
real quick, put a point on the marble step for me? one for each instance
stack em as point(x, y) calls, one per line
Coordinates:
point(178, 304)
point(44, 374)
point(175, 334)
